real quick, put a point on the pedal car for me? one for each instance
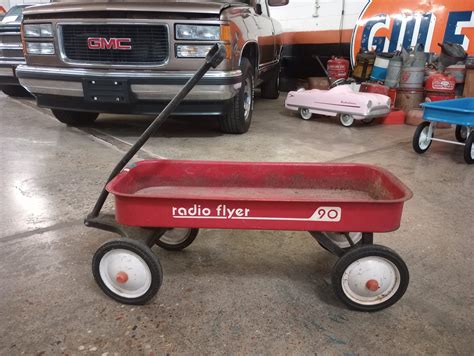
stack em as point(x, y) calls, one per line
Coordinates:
point(343, 100)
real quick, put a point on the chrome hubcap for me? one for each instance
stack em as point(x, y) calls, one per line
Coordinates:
point(425, 139)
point(247, 98)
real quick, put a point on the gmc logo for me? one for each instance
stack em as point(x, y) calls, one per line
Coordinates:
point(111, 43)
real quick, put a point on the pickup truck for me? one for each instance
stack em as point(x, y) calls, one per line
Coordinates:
point(11, 51)
point(132, 57)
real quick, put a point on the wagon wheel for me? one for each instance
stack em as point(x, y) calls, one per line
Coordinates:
point(127, 271)
point(177, 239)
point(346, 120)
point(340, 239)
point(368, 121)
point(461, 133)
point(305, 113)
point(422, 137)
point(370, 278)
point(469, 149)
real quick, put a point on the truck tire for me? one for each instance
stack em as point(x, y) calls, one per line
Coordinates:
point(239, 113)
point(75, 118)
point(15, 91)
point(270, 88)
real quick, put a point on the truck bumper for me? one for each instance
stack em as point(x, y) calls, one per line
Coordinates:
point(7, 72)
point(65, 88)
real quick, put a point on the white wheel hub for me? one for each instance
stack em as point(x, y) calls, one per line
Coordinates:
point(175, 236)
point(305, 113)
point(370, 280)
point(425, 138)
point(346, 120)
point(340, 239)
point(125, 273)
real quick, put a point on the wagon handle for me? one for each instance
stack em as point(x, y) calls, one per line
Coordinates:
point(214, 57)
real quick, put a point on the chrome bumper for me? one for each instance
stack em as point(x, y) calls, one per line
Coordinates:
point(7, 67)
point(215, 85)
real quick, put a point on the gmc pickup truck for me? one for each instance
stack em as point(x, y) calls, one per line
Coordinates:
point(132, 57)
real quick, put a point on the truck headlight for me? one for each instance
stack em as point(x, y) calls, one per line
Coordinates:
point(192, 51)
point(198, 32)
point(39, 47)
point(42, 30)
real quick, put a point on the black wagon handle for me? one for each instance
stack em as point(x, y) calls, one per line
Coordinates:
point(214, 57)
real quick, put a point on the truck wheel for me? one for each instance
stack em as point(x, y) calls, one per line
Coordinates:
point(239, 114)
point(15, 91)
point(75, 118)
point(269, 89)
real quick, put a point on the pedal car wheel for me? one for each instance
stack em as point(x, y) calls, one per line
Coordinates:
point(370, 278)
point(469, 149)
point(177, 239)
point(346, 120)
point(305, 113)
point(461, 133)
point(340, 239)
point(368, 121)
point(422, 138)
point(127, 271)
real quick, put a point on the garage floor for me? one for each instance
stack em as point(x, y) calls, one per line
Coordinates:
point(231, 292)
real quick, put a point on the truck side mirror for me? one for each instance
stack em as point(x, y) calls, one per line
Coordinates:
point(278, 2)
point(258, 9)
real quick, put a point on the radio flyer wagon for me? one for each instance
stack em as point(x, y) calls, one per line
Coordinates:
point(459, 112)
point(165, 202)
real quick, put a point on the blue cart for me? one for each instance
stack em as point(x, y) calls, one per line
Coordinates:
point(459, 112)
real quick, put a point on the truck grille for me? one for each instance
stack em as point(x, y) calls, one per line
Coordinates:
point(149, 44)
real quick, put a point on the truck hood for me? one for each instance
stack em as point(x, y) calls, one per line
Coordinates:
point(180, 6)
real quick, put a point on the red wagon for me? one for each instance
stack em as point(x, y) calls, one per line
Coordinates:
point(165, 202)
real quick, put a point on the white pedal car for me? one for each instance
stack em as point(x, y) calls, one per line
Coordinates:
point(344, 100)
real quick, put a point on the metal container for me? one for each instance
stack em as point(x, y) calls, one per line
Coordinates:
point(379, 71)
point(393, 72)
point(441, 83)
point(374, 88)
point(412, 77)
point(338, 68)
point(409, 99)
point(438, 96)
point(364, 66)
point(458, 71)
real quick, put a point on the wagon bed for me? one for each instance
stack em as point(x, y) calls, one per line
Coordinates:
point(287, 196)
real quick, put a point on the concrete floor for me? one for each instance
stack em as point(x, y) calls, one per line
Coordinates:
point(231, 292)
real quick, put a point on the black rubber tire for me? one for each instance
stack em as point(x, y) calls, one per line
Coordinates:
point(270, 88)
point(416, 138)
point(458, 133)
point(366, 251)
point(178, 247)
point(15, 91)
point(468, 149)
point(141, 250)
point(75, 118)
point(368, 121)
point(234, 121)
